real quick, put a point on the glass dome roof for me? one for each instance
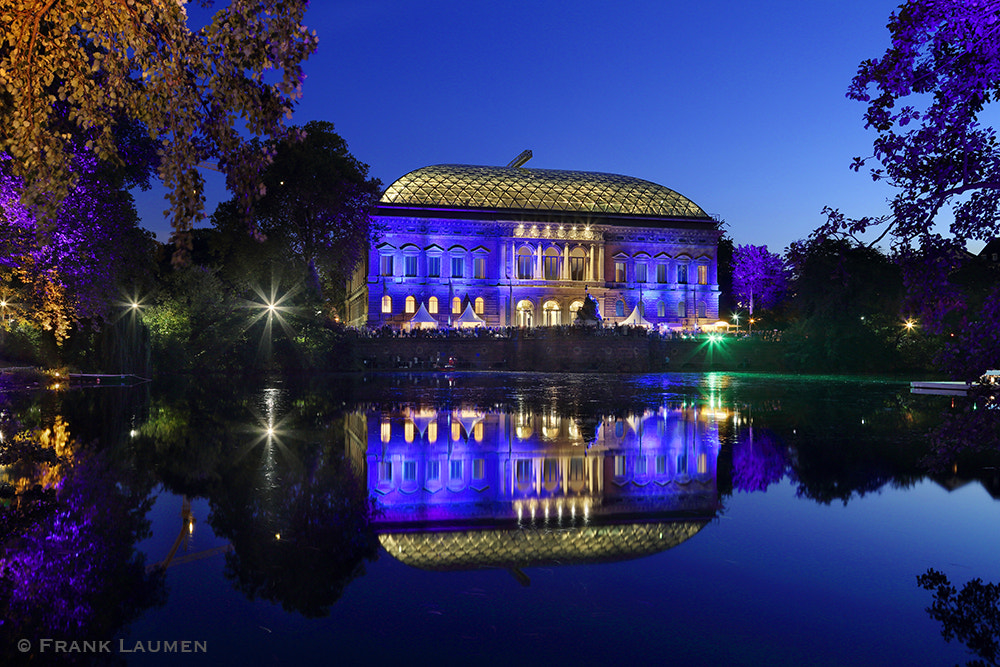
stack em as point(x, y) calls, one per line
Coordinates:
point(470, 186)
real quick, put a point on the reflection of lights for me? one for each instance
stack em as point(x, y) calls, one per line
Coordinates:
point(277, 536)
point(133, 433)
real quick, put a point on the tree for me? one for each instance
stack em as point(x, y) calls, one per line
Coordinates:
point(945, 62)
point(91, 248)
point(758, 277)
point(846, 303)
point(972, 615)
point(317, 207)
point(68, 67)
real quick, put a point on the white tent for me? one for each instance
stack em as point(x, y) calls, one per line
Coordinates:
point(468, 319)
point(636, 320)
point(421, 320)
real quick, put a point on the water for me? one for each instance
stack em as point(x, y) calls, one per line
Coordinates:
point(539, 519)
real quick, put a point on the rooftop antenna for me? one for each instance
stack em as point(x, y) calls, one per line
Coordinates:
point(520, 159)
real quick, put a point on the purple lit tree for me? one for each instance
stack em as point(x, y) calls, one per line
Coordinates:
point(70, 272)
point(759, 279)
point(945, 60)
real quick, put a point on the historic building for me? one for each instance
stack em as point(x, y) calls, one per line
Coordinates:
point(469, 487)
point(523, 247)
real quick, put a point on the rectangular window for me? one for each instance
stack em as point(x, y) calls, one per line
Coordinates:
point(619, 272)
point(619, 466)
point(640, 465)
point(640, 273)
point(455, 470)
point(478, 468)
point(682, 274)
point(577, 268)
point(434, 266)
point(550, 265)
point(661, 273)
point(523, 470)
point(410, 265)
point(702, 274)
point(479, 267)
point(433, 471)
point(409, 471)
point(525, 267)
point(385, 265)
point(457, 266)
point(385, 471)
point(661, 465)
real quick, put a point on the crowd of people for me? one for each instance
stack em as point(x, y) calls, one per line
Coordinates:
point(555, 332)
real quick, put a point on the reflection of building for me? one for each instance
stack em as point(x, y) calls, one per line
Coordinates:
point(441, 478)
point(524, 246)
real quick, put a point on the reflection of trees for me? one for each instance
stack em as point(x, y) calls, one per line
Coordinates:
point(843, 439)
point(972, 615)
point(969, 433)
point(69, 566)
point(759, 460)
point(299, 526)
point(297, 517)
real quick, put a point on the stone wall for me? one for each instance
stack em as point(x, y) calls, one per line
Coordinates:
point(553, 352)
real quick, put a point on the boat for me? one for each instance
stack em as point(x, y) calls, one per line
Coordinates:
point(953, 388)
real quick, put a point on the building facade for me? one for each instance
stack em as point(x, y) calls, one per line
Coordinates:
point(524, 247)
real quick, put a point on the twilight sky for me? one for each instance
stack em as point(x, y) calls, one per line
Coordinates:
point(738, 105)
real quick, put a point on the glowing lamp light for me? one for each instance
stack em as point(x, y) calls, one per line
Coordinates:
point(909, 324)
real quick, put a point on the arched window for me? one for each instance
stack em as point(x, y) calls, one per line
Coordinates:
point(432, 305)
point(682, 310)
point(661, 309)
point(456, 306)
point(386, 304)
point(411, 304)
point(551, 264)
point(573, 309)
point(480, 305)
point(578, 264)
point(619, 308)
point(525, 312)
point(553, 313)
point(525, 263)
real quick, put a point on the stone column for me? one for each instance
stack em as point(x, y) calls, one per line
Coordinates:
point(565, 262)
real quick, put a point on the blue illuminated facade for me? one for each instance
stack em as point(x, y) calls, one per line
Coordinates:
point(524, 247)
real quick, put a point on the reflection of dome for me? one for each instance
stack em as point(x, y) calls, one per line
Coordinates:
point(467, 186)
point(506, 548)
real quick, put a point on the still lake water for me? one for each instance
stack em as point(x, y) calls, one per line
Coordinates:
point(705, 519)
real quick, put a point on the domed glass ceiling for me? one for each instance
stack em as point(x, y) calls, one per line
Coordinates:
point(537, 189)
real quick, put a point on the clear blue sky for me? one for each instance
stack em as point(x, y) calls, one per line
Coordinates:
point(738, 105)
